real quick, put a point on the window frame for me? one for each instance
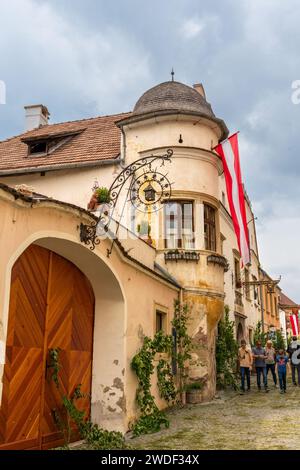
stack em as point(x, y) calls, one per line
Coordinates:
point(207, 239)
point(163, 320)
point(179, 241)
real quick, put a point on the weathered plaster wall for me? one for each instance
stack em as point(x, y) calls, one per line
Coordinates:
point(120, 315)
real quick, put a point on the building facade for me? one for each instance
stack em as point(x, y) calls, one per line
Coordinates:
point(187, 250)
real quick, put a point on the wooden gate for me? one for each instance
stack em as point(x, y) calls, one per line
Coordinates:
point(51, 307)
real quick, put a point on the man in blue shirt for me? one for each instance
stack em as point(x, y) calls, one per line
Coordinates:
point(259, 356)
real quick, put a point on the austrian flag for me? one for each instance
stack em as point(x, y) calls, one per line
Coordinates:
point(294, 325)
point(229, 152)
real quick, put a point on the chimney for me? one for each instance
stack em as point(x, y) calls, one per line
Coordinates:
point(36, 115)
point(199, 87)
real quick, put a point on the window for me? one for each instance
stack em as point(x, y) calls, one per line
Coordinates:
point(275, 305)
point(209, 227)
point(250, 334)
point(37, 147)
point(179, 225)
point(160, 321)
point(255, 289)
point(247, 286)
point(237, 273)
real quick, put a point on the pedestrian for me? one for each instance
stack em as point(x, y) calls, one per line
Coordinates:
point(282, 360)
point(245, 361)
point(270, 361)
point(294, 355)
point(259, 356)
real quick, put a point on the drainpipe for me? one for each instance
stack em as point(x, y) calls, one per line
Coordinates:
point(182, 393)
point(262, 308)
point(124, 145)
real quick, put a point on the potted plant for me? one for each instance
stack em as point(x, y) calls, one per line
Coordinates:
point(100, 200)
point(103, 196)
point(194, 392)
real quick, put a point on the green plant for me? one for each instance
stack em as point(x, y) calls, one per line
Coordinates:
point(96, 438)
point(148, 424)
point(194, 386)
point(54, 364)
point(278, 341)
point(259, 335)
point(226, 353)
point(103, 195)
point(165, 381)
point(152, 418)
point(184, 341)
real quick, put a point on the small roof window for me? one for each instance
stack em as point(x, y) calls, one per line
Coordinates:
point(37, 147)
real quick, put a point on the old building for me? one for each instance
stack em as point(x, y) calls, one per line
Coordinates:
point(189, 252)
point(288, 307)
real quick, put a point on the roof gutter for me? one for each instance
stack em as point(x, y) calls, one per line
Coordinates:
point(135, 118)
point(64, 166)
point(167, 275)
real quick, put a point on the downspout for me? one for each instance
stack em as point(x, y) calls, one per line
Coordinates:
point(123, 151)
point(262, 308)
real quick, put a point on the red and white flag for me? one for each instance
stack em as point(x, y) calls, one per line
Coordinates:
point(228, 150)
point(294, 325)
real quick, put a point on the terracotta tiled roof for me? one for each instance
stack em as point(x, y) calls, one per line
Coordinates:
point(98, 139)
point(285, 300)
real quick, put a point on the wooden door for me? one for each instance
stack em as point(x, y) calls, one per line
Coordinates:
point(51, 307)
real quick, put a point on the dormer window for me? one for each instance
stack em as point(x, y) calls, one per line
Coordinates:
point(41, 146)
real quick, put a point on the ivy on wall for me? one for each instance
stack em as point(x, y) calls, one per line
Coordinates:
point(151, 418)
point(226, 353)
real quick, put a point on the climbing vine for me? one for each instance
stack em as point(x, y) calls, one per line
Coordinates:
point(183, 341)
point(54, 364)
point(152, 418)
point(95, 437)
point(226, 353)
point(165, 381)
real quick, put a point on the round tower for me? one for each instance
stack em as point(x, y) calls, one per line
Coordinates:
point(186, 232)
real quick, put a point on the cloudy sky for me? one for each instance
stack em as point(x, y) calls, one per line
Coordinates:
point(91, 57)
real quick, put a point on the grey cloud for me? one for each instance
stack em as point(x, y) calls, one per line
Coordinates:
point(97, 57)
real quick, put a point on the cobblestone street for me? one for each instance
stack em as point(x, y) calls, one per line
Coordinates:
point(256, 420)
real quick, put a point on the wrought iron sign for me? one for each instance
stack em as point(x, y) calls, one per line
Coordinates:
point(148, 186)
point(270, 284)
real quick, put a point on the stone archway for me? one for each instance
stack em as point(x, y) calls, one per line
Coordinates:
point(108, 400)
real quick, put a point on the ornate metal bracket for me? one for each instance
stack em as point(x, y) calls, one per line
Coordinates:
point(144, 178)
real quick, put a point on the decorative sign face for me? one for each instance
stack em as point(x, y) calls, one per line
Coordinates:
point(149, 190)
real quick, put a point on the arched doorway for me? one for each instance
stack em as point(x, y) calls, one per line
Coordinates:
point(51, 314)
